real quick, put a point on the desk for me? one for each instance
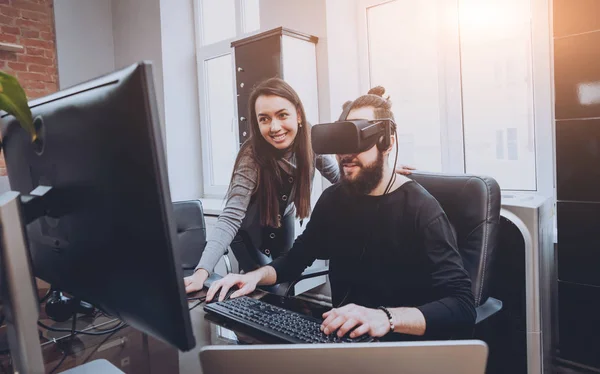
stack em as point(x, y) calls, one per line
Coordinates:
point(135, 352)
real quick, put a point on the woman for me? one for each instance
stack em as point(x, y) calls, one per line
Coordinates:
point(274, 168)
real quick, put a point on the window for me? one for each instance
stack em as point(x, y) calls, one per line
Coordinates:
point(218, 23)
point(461, 78)
point(217, 20)
point(220, 129)
point(497, 91)
point(408, 69)
point(250, 16)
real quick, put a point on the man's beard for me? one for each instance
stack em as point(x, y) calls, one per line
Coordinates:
point(367, 178)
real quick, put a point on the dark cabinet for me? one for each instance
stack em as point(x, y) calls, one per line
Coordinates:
point(579, 327)
point(577, 96)
point(281, 53)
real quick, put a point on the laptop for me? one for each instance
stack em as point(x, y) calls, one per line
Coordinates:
point(448, 357)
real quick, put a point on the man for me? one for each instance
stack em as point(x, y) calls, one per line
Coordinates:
point(394, 264)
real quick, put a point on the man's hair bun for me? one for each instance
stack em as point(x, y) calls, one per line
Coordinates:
point(378, 90)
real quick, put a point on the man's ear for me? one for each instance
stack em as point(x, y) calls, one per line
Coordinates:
point(392, 142)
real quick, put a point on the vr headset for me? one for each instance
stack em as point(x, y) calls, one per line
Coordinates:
point(351, 136)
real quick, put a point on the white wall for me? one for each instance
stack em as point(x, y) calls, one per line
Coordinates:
point(334, 22)
point(84, 40)
point(543, 85)
point(95, 37)
point(342, 54)
point(122, 32)
point(137, 36)
point(181, 99)
point(307, 16)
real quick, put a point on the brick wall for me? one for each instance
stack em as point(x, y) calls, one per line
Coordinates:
point(30, 23)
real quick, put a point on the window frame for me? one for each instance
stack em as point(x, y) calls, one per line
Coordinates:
point(452, 124)
point(203, 54)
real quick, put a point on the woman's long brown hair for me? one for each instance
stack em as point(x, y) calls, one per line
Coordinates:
point(265, 156)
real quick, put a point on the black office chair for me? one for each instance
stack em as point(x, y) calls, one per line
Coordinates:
point(472, 204)
point(191, 234)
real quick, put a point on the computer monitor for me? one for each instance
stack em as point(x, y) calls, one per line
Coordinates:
point(107, 235)
point(449, 357)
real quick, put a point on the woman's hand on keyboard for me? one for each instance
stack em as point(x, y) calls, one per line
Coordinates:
point(246, 283)
point(195, 282)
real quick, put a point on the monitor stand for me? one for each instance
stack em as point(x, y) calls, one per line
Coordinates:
point(17, 285)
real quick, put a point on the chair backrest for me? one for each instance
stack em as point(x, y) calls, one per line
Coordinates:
point(472, 204)
point(191, 231)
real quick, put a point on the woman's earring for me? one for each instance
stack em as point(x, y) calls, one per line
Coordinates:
point(300, 124)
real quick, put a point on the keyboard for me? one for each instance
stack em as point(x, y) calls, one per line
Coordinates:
point(278, 322)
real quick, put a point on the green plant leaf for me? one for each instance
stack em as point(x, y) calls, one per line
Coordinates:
point(14, 101)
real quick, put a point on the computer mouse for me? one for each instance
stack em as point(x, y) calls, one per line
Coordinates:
point(227, 296)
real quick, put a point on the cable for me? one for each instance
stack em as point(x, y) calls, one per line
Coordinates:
point(64, 351)
point(64, 357)
point(200, 301)
point(97, 347)
point(83, 332)
point(110, 332)
point(393, 177)
point(105, 331)
point(55, 340)
point(98, 314)
point(45, 297)
point(393, 180)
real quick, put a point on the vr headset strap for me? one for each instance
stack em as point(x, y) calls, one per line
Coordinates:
point(385, 142)
point(345, 113)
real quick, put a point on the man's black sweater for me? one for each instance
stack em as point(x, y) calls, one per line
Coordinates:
point(395, 250)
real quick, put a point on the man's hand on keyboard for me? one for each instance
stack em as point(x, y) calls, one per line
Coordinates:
point(245, 282)
point(367, 321)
